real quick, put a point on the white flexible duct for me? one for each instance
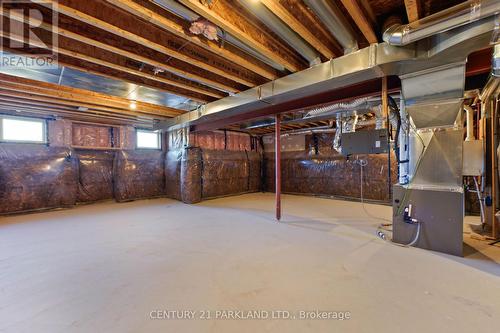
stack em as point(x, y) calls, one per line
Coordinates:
point(454, 17)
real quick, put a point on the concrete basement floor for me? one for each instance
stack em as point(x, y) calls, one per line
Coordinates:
point(105, 267)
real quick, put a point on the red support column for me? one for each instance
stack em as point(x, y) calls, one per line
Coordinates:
point(277, 141)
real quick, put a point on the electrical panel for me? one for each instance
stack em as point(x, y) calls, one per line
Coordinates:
point(365, 142)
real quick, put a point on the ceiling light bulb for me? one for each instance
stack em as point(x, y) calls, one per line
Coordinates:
point(133, 105)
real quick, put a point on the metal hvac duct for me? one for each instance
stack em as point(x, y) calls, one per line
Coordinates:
point(282, 30)
point(374, 61)
point(335, 22)
point(454, 17)
point(496, 61)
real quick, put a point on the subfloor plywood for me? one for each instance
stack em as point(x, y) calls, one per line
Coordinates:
point(105, 267)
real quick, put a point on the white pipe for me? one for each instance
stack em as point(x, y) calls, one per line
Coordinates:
point(454, 17)
point(470, 123)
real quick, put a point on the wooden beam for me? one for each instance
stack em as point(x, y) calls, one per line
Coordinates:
point(89, 98)
point(413, 10)
point(113, 20)
point(230, 16)
point(360, 19)
point(177, 26)
point(302, 28)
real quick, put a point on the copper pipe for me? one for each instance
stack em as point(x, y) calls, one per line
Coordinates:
point(277, 142)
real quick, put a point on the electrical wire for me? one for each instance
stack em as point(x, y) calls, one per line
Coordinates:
point(362, 163)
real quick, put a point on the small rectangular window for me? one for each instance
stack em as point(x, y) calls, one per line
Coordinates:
point(20, 129)
point(148, 139)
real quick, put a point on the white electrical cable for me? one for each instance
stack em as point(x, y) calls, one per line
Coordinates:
point(362, 163)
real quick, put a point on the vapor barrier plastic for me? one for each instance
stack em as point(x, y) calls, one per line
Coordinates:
point(224, 172)
point(330, 174)
point(173, 174)
point(191, 167)
point(95, 175)
point(139, 175)
point(254, 171)
point(34, 177)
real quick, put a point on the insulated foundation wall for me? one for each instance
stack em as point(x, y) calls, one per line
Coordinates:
point(95, 175)
point(139, 174)
point(34, 177)
point(318, 169)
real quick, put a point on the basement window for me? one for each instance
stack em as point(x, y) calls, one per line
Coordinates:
point(23, 130)
point(147, 139)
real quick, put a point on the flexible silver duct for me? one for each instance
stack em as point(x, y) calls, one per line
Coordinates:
point(335, 22)
point(454, 17)
point(357, 104)
point(282, 30)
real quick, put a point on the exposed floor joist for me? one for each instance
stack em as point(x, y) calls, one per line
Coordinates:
point(230, 16)
point(78, 97)
point(413, 8)
point(361, 20)
point(306, 26)
point(134, 29)
point(176, 25)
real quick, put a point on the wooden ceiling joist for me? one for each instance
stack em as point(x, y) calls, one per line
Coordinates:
point(230, 16)
point(80, 97)
point(176, 25)
point(413, 8)
point(359, 17)
point(172, 68)
point(114, 20)
point(73, 45)
point(305, 26)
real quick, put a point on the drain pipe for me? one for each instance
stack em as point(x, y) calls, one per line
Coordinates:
point(335, 22)
point(454, 17)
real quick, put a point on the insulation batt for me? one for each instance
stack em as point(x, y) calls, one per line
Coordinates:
point(139, 174)
point(95, 175)
point(173, 174)
point(34, 177)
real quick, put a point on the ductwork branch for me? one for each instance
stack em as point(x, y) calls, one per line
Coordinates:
point(451, 18)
